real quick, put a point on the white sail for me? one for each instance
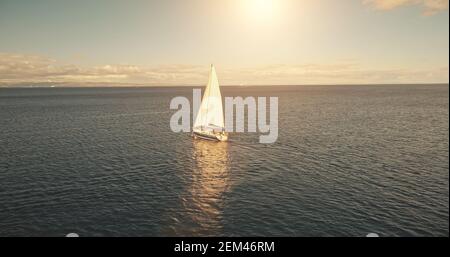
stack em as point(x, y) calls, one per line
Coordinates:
point(210, 114)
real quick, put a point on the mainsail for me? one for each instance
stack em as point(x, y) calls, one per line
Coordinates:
point(210, 114)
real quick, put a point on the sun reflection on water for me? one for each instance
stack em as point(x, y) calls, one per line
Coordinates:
point(210, 180)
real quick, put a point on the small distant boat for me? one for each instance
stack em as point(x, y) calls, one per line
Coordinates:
point(209, 121)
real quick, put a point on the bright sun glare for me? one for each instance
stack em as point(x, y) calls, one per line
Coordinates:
point(262, 6)
point(260, 9)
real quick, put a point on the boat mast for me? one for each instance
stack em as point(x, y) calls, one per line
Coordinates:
point(209, 93)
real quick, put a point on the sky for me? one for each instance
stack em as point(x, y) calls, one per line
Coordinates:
point(250, 42)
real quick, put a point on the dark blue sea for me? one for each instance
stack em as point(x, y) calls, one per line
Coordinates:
point(349, 160)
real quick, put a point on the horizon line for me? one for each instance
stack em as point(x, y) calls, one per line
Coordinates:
point(143, 85)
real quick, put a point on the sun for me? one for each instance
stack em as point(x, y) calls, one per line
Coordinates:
point(262, 6)
point(260, 9)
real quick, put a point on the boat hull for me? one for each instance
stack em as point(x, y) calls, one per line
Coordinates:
point(208, 136)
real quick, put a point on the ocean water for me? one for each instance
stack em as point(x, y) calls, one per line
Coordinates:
point(349, 160)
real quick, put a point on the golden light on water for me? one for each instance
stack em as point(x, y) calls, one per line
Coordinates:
point(210, 180)
point(203, 199)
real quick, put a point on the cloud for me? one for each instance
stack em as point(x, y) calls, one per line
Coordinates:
point(342, 73)
point(25, 69)
point(20, 68)
point(430, 7)
point(434, 6)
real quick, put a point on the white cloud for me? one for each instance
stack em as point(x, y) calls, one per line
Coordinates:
point(20, 69)
point(342, 73)
point(430, 7)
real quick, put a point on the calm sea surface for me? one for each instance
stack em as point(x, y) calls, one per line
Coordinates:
point(349, 160)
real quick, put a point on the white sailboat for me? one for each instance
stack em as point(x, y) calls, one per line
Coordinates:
point(209, 122)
